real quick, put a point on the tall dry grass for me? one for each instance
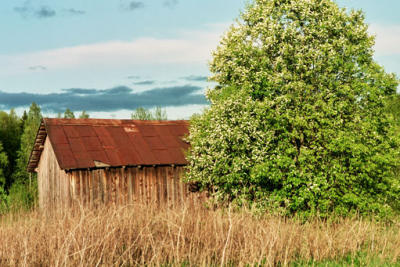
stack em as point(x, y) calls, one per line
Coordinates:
point(146, 235)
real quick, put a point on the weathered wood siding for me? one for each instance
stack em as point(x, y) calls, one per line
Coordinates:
point(54, 183)
point(120, 186)
point(157, 184)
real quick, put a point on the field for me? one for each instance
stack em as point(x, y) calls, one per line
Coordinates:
point(189, 236)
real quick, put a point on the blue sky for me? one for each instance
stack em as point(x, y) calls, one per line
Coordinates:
point(110, 56)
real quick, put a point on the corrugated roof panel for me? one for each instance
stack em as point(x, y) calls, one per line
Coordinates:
point(57, 135)
point(92, 143)
point(169, 141)
point(123, 144)
point(85, 130)
point(71, 131)
point(143, 150)
point(66, 158)
point(179, 130)
point(147, 130)
point(178, 155)
point(114, 158)
point(99, 156)
point(154, 142)
point(78, 143)
point(104, 137)
point(162, 155)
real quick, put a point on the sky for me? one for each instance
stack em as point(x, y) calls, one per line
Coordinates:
point(109, 57)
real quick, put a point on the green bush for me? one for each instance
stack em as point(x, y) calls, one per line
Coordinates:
point(23, 195)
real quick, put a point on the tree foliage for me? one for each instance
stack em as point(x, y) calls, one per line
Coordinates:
point(68, 114)
point(31, 127)
point(3, 166)
point(298, 121)
point(145, 114)
point(10, 134)
point(84, 115)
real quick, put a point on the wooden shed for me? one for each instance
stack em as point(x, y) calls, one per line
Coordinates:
point(93, 161)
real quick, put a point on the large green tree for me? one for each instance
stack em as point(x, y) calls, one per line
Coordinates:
point(298, 121)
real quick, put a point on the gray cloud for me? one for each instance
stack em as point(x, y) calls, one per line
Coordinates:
point(38, 68)
point(45, 12)
point(133, 5)
point(195, 78)
point(170, 3)
point(22, 10)
point(148, 82)
point(108, 100)
point(28, 10)
point(74, 11)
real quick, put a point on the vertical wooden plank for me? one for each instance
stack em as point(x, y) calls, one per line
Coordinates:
point(51, 184)
point(112, 187)
point(153, 187)
point(89, 188)
point(164, 178)
point(105, 188)
point(124, 186)
point(140, 185)
point(82, 182)
point(144, 182)
point(171, 187)
point(106, 183)
point(101, 187)
point(149, 175)
point(68, 192)
point(181, 185)
point(176, 186)
point(134, 184)
point(117, 191)
point(162, 185)
point(158, 187)
point(95, 187)
point(129, 177)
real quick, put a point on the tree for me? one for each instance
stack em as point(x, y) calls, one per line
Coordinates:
point(145, 114)
point(23, 191)
point(84, 115)
point(68, 114)
point(31, 127)
point(160, 114)
point(3, 166)
point(10, 134)
point(298, 121)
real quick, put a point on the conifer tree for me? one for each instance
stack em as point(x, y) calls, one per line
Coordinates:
point(31, 127)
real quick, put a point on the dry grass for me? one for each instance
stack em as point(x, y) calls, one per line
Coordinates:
point(141, 235)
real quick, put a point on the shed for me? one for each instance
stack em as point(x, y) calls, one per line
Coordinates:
point(96, 161)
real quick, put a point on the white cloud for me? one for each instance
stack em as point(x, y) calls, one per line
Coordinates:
point(192, 47)
point(387, 40)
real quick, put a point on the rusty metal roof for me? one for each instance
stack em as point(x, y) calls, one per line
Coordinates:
point(91, 143)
